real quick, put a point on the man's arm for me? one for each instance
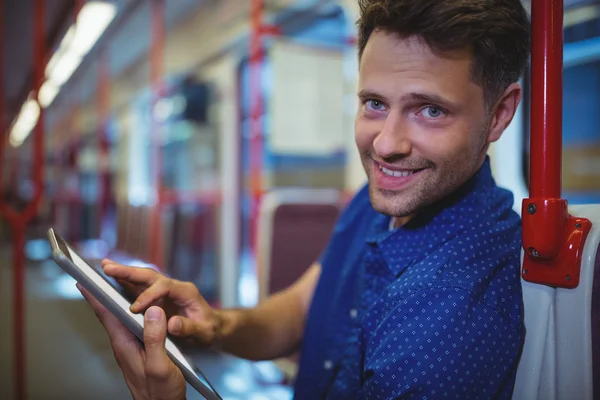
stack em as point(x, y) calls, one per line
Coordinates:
point(272, 329)
point(442, 342)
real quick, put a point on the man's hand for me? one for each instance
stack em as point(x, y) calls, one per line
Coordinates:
point(148, 370)
point(272, 329)
point(189, 315)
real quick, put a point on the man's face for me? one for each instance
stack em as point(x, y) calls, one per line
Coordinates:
point(422, 127)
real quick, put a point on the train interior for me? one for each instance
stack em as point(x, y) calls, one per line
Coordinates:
point(165, 135)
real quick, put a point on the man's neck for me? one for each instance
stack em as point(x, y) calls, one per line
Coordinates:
point(397, 222)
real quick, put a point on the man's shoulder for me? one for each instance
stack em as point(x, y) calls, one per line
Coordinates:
point(485, 261)
point(349, 234)
point(358, 209)
point(482, 259)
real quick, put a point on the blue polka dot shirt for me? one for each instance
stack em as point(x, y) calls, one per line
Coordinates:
point(430, 310)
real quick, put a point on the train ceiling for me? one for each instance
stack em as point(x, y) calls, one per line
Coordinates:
point(18, 36)
point(17, 31)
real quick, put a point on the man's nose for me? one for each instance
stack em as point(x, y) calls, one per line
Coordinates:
point(394, 139)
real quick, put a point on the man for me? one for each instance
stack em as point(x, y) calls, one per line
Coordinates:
point(418, 294)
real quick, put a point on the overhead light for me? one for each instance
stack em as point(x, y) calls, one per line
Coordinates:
point(63, 48)
point(48, 92)
point(92, 21)
point(25, 122)
point(64, 68)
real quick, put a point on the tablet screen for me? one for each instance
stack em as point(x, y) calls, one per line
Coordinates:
point(81, 264)
point(102, 281)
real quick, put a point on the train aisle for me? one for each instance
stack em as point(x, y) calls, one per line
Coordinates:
point(68, 352)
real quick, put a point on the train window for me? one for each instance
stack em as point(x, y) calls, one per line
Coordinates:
point(292, 155)
point(190, 178)
point(581, 99)
point(190, 143)
point(137, 126)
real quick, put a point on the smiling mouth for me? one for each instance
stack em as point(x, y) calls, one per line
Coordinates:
point(397, 174)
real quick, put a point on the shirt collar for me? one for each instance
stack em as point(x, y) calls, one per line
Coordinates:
point(434, 226)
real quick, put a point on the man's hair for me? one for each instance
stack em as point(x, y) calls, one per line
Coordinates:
point(496, 31)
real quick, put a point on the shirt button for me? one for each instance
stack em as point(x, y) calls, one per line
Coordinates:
point(353, 313)
point(328, 364)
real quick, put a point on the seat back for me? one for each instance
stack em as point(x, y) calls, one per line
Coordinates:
point(561, 354)
point(294, 228)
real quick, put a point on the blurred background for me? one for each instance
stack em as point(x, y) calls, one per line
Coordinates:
point(209, 139)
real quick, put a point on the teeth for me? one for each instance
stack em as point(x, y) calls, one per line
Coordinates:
point(396, 174)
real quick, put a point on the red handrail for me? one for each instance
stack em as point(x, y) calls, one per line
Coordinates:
point(19, 220)
point(256, 111)
point(103, 104)
point(2, 128)
point(157, 44)
point(552, 239)
point(546, 104)
point(258, 30)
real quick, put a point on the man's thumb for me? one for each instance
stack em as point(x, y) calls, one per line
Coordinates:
point(155, 334)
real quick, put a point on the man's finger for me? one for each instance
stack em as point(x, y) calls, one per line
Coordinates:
point(131, 288)
point(136, 275)
point(158, 364)
point(158, 290)
point(182, 294)
point(121, 338)
point(101, 312)
point(201, 331)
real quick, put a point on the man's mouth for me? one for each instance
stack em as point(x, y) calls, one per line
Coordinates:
point(396, 174)
point(393, 178)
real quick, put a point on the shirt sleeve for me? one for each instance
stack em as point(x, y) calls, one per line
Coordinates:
point(442, 343)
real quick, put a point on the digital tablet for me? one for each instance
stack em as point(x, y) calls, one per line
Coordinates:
point(112, 296)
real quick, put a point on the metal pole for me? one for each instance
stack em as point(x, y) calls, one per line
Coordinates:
point(19, 222)
point(40, 62)
point(2, 130)
point(156, 80)
point(19, 328)
point(546, 102)
point(256, 128)
point(553, 240)
point(103, 146)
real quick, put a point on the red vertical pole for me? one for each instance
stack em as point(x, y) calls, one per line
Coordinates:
point(553, 240)
point(156, 82)
point(76, 204)
point(103, 104)
point(19, 329)
point(2, 130)
point(546, 104)
point(256, 128)
point(3, 159)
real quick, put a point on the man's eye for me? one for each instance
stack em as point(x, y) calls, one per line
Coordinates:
point(432, 112)
point(374, 105)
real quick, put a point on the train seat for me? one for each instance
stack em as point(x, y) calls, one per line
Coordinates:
point(294, 228)
point(561, 354)
point(295, 225)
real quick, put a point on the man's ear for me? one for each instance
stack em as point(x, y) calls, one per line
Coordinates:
point(504, 111)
